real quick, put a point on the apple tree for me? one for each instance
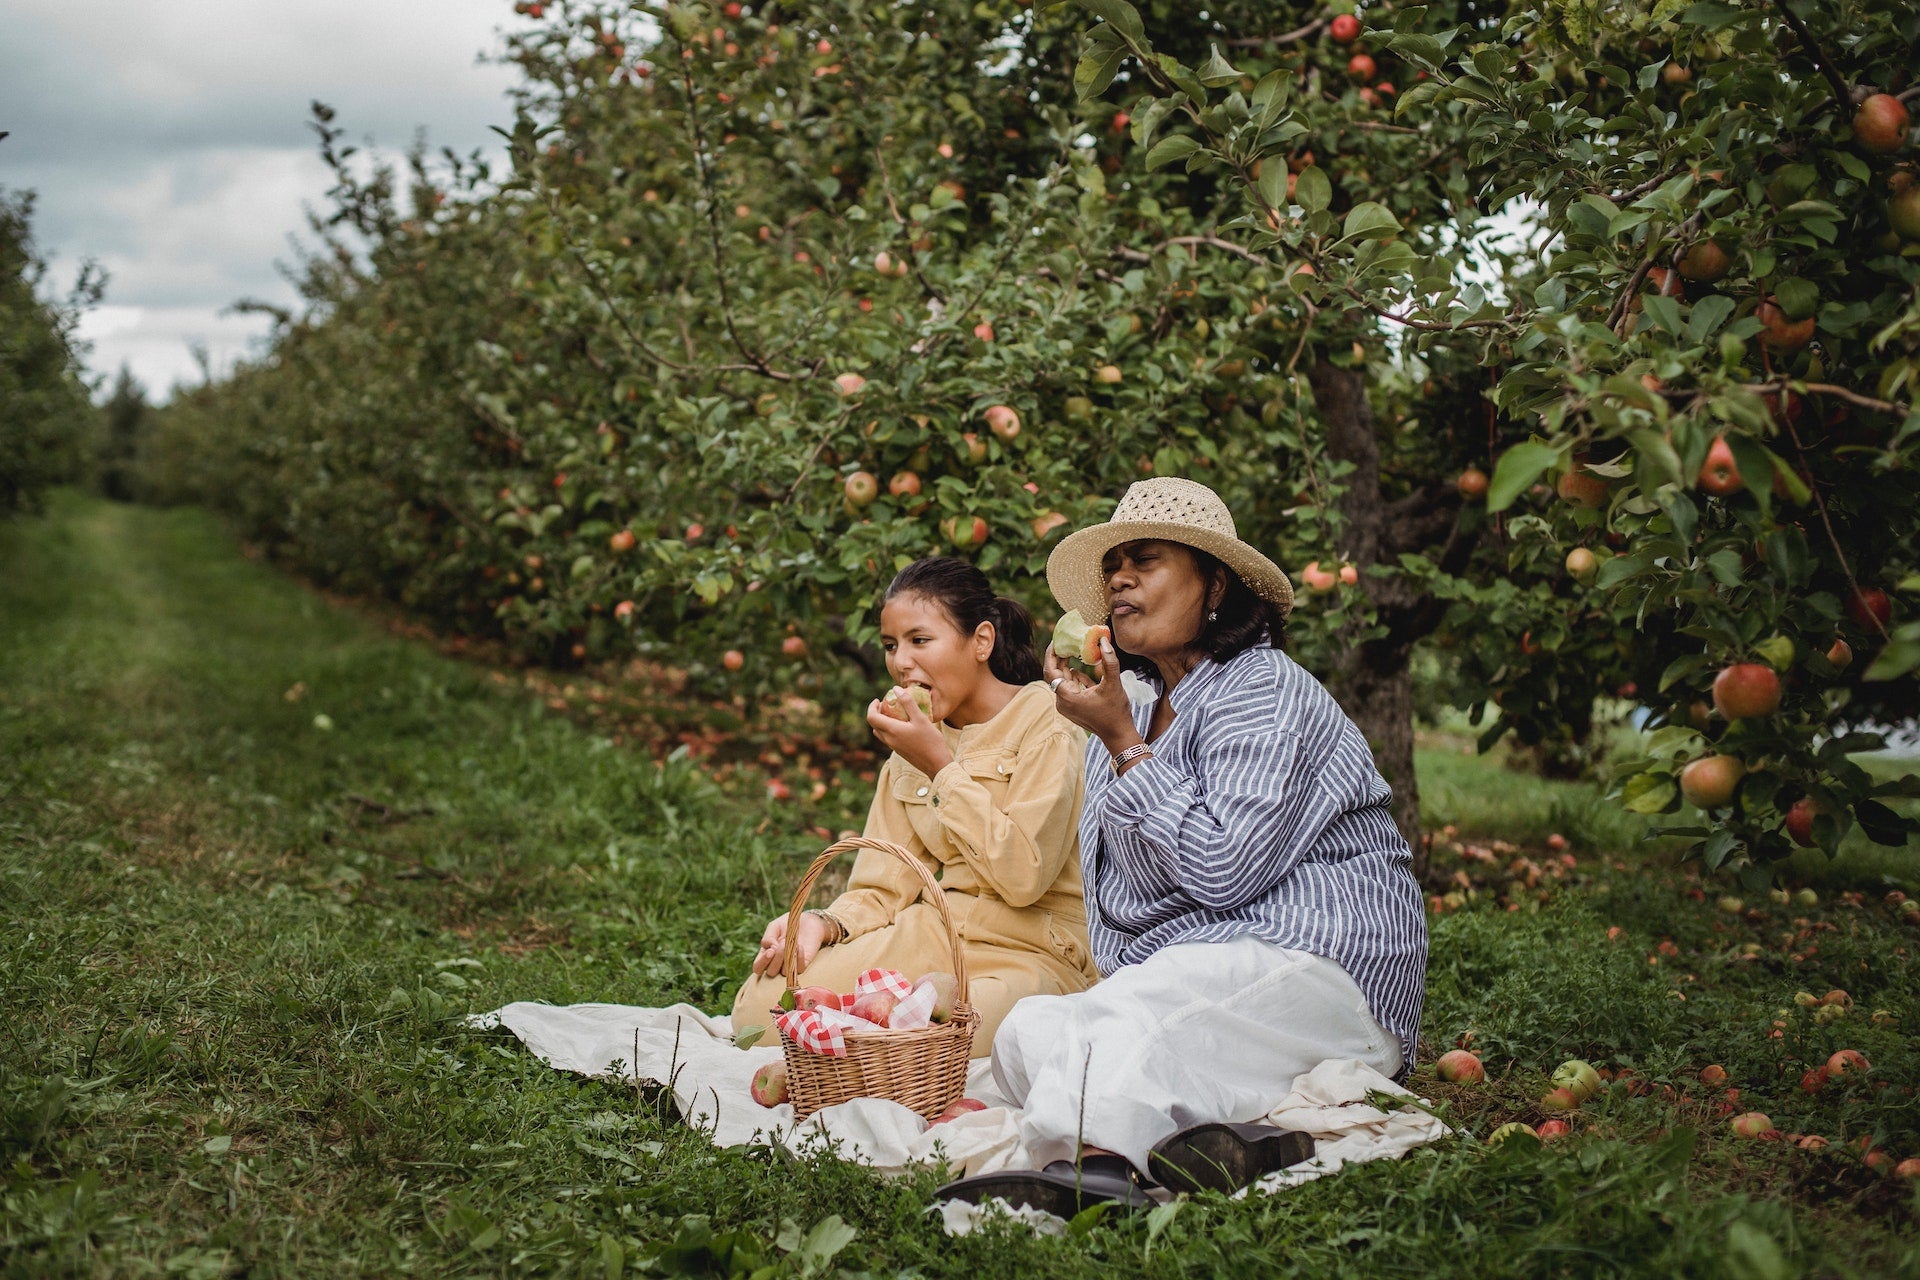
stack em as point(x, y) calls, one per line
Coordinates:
point(46, 418)
point(1697, 373)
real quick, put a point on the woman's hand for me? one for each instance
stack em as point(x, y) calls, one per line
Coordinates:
point(773, 945)
point(1101, 709)
point(917, 739)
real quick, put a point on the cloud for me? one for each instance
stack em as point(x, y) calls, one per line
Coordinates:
point(169, 142)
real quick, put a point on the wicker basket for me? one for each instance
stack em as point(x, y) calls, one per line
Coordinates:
point(924, 1070)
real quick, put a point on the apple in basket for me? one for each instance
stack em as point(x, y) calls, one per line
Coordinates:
point(946, 989)
point(876, 1007)
point(769, 1087)
point(957, 1108)
point(811, 998)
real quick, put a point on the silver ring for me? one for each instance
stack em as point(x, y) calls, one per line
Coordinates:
point(1055, 685)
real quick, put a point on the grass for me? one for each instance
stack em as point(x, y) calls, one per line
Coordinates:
point(235, 947)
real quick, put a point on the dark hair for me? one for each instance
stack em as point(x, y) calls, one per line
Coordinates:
point(1242, 621)
point(968, 598)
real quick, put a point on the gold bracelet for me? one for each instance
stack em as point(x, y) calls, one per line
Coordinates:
point(839, 930)
point(1135, 752)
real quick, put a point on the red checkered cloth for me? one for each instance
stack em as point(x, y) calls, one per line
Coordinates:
point(820, 1030)
point(891, 981)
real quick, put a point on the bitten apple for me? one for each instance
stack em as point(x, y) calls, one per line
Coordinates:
point(769, 1087)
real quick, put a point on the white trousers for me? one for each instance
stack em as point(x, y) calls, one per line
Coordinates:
point(1196, 1033)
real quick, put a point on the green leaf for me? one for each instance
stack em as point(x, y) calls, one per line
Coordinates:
point(828, 1237)
point(1369, 220)
point(1177, 146)
point(1098, 65)
point(1217, 72)
point(1313, 190)
point(1418, 94)
point(1649, 793)
point(1708, 314)
point(1798, 298)
point(1418, 47)
point(1518, 467)
point(1273, 183)
point(1124, 17)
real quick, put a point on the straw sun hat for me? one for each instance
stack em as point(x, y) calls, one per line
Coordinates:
point(1170, 509)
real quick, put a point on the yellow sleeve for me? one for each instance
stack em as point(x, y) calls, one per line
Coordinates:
point(881, 887)
point(1021, 849)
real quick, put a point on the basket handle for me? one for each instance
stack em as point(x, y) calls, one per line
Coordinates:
point(929, 889)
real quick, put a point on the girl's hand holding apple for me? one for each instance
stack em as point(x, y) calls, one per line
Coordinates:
point(903, 727)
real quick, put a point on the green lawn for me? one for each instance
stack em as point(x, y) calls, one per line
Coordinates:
point(235, 946)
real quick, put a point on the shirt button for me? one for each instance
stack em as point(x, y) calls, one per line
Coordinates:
point(922, 791)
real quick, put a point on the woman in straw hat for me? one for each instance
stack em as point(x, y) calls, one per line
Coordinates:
point(1251, 904)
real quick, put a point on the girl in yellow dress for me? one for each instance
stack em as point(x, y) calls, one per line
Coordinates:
point(985, 790)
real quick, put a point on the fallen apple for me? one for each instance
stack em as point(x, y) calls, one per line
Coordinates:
point(1578, 1077)
point(1713, 1075)
point(1510, 1129)
point(769, 1087)
point(1846, 1061)
point(1751, 1124)
point(1560, 1098)
point(1550, 1130)
point(957, 1108)
point(1458, 1066)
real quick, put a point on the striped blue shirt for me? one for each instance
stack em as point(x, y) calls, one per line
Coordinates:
point(1261, 812)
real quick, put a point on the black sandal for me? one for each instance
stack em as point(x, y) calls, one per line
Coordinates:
point(1225, 1157)
point(1061, 1189)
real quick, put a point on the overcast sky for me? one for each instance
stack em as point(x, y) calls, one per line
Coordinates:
point(167, 140)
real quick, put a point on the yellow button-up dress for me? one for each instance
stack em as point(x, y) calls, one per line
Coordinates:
point(999, 830)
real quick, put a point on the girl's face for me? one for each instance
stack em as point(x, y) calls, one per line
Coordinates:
point(925, 647)
point(1158, 596)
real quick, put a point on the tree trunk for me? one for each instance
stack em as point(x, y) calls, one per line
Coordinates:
point(1373, 680)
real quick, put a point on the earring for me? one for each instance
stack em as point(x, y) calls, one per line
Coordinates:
point(1213, 615)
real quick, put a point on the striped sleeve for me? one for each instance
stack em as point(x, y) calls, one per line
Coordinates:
point(1254, 822)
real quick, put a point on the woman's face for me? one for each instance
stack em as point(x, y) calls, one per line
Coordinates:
point(924, 646)
point(1158, 597)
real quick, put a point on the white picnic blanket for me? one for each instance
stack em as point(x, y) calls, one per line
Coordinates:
point(693, 1053)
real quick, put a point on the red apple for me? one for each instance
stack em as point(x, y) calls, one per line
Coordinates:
point(1779, 332)
point(1840, 654)
point(1344, 29)
point(1746, 690)
point(1710, 781)
point(905, 484)
point(817, 998)
point(1846, 1061)
point(1578, 488)
point(794, 647)
point(849, 383)
point(1720, 474)
point(1752, 1124)
point(1003, 422)
point(1800, 821)
point(1349, 574)
point(1361, 67)
point(976, 448)
point(965, 531)
point(1560, 1098)
point(1813, 1081)
point(1107, 373)
point(623, 610)
point(621, 542)
point(1472, 483)
point(876, 1007)
point(1318, 579)
point(862, 488)
point(1871, 607)
point(1713, 1075)
point(1046, 522)
point(1704, 262)
point(1552, 1130)
point(957, 1108)
point(1881, 123)
point(1458, 1066)
point(769, 1087)
point(1908, 1168)
point(695, 532)
point(733, 659)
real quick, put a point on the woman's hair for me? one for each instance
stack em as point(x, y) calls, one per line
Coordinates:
point(1242, 620)
point(968, 598)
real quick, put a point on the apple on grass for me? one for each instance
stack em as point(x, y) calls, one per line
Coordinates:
point(1846, 1062)
point(1552, 1130)
point(1511, 1129)
point(1459, 1066)
point(1713, 1075)
point(1752, 1124)
point(769, 1087)
point(1560, 1098)
point(1577, 1077)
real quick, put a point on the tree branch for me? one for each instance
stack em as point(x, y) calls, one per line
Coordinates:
point(1313, 28)
point(1841, 93)
point(1838, 393)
